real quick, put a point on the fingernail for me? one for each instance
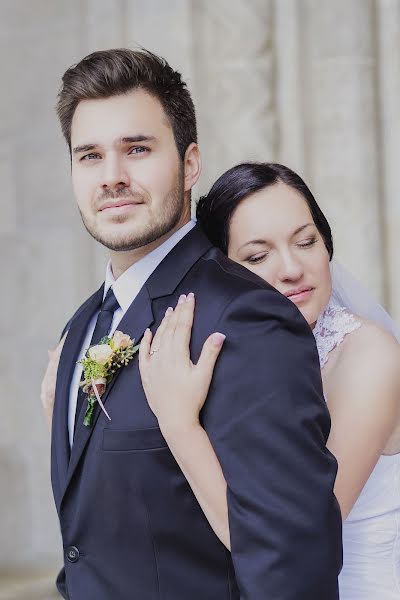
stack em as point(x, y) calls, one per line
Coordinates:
point(218, 339)
point(147, 331)
point(169, 311)
point(182, 299)
point(190, 297)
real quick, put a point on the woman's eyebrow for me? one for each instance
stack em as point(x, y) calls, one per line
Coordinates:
point(255, 242)
point(301, 228)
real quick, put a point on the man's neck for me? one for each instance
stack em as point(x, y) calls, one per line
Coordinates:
point(121, 261)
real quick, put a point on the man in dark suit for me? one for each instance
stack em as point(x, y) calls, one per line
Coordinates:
point(131, 526)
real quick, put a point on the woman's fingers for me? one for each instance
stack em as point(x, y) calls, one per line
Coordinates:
point(174, 331)
point(144, 349)
point(161, 329)
point(209, 354)
point(169, 341)
point(54, 355)
point(48, 386)
point(183, 327)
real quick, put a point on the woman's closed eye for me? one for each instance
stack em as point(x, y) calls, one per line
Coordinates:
point(307, 243)
point(258, 258)
point(253, 260)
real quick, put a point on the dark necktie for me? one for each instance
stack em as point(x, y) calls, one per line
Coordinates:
point(102, 328)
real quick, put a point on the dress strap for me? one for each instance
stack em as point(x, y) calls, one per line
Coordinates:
point(332, 327)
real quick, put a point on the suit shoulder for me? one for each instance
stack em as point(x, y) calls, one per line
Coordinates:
point(231, 273)
point(81, 308)
point(89, 300)
point(243, 289)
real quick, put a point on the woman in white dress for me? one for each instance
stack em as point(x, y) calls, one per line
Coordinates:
point(264, 217)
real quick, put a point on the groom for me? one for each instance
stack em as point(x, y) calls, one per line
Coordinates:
point(131, 526)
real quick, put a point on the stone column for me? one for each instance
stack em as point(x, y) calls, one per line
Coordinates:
point(289, 84)
point(341, 152)
point(235, 69)
point(388, 13)
point(47, 271)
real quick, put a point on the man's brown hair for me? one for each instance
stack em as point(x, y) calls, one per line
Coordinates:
point(113, 72)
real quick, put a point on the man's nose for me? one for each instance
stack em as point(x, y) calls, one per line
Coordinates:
point(115, 173)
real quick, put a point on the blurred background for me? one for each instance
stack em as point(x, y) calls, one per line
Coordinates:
point(314, 84)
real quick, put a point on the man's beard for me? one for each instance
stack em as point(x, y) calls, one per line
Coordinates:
point(167, 218)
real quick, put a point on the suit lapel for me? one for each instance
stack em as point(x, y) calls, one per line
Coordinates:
point(138, 317)
point(170, 272)
point(163, 282)
point(68, 358)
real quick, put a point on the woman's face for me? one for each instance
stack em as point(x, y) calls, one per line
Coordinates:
point(273, 234)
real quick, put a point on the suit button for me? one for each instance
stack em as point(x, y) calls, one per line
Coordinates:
point(72, 554)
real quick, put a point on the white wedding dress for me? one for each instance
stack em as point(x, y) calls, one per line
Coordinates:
point(371, 532)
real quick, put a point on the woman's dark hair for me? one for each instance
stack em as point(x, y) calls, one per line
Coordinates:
point(215, 210)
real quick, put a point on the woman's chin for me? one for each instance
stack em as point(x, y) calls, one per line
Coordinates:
point(310, 314)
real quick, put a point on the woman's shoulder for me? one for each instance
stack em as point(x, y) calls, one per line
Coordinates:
point(369, 350)
point(371, 338)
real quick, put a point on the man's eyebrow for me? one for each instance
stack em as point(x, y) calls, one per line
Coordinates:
point(137, 138)
point(131, 139)
point(84, 148)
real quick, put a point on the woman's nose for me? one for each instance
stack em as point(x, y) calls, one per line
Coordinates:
point(291, 268)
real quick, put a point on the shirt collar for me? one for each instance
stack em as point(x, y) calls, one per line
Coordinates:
point(128, 285)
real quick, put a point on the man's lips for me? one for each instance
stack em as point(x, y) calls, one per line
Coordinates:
point(119, 204)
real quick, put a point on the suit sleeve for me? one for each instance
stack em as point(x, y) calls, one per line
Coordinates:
point(67, 326)
point(268, 422)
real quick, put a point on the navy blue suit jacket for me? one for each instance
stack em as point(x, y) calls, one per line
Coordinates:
point(131, 526)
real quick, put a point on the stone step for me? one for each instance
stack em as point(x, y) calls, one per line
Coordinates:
point(28, 586)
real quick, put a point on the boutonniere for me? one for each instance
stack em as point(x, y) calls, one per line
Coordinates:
point(99, 366)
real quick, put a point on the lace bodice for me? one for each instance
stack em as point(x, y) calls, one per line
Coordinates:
point(331, 328)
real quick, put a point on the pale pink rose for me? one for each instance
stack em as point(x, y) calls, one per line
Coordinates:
point(101, 353)
point(121, 340)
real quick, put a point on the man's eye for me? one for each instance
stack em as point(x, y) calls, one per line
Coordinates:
point(138, 150)
point(90, 156)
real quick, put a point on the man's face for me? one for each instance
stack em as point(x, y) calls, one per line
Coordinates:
point(126, 171)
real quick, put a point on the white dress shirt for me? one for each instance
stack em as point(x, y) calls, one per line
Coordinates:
point(125, 288)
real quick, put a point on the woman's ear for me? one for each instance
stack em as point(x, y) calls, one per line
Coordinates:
point(192, 166)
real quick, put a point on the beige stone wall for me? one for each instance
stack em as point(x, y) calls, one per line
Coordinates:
point(311, 83)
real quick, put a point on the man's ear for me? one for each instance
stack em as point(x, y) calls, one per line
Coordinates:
point(192, 166)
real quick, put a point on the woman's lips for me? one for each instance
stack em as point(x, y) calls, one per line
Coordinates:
point(301, 295)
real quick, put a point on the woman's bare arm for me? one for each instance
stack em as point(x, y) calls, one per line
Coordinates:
point(364, 401)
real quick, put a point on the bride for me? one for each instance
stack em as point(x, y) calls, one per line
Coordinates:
point(264, 217)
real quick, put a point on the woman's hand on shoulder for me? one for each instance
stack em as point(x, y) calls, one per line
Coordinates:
point(176, 389)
